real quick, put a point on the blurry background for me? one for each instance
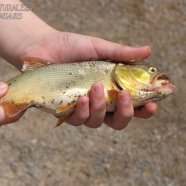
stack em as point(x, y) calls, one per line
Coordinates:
point(148, 152)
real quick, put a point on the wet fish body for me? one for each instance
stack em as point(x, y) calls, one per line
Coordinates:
point(55, 88)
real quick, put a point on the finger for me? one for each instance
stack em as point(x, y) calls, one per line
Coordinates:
point(81, 113)
point(2, 115)
point(146, 111)
point(117, 52)
point(97, 106)
point(124, 112)
point(3, 118)
point(3, 88)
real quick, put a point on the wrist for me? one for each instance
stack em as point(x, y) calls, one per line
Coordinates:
point(31, 40)
point(19, 34)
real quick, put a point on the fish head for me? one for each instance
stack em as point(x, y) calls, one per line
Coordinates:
point(144, 83)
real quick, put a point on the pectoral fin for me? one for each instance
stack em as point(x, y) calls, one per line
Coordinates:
point(12, 109)
point(30, 63)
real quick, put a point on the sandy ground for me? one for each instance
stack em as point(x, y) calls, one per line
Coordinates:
point(149, 152)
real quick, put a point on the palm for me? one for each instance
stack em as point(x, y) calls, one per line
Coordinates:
point(67, 47)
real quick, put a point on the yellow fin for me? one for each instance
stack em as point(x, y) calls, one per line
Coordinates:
point(60, 121)
point(65, 108)
point(12, 109)
point(30, 63)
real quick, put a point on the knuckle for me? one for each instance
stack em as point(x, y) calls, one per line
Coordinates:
point(99, 108)
point(82, 117)
point(99, 118)
point(121, 122)
point(127, 114)
point(95, 122)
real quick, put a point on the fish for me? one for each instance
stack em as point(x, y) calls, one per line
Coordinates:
point(55, 88)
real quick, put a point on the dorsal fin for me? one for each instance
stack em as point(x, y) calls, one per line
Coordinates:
point(30, 63)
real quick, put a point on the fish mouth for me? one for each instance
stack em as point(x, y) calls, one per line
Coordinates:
point(162, 76)
point(163, 80)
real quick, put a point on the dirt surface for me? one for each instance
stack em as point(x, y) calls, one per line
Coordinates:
point(148, 152)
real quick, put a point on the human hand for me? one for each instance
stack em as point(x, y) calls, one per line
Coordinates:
point(3, 89)
point(61, 47)
point(3, 118)
point(30, 36)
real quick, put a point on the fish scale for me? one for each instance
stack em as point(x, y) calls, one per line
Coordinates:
point(44, 80)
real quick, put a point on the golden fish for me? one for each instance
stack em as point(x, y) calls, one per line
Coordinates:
point(55, 88)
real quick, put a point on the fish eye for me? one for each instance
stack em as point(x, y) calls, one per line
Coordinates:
point(152, 69)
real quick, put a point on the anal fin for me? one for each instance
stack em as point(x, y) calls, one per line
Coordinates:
point(65, 108)
point(60, 121)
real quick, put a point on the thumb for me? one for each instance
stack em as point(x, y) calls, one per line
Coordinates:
point(4, 119)
point(3, 89)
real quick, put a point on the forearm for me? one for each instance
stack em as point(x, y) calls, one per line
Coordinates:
point(18, 34)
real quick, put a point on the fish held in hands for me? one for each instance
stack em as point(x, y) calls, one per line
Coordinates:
point(55, 88)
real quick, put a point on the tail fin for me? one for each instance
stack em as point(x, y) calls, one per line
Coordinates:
point(11, 109)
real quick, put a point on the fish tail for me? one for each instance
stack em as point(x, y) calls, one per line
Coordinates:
point(11, 109)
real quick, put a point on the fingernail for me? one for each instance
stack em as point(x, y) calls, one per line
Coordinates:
point(2, 114)
point(147, 48)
